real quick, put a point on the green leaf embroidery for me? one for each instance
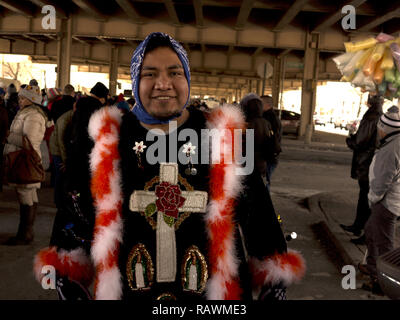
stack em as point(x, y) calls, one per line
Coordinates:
point(150, 209)
point(169, 220)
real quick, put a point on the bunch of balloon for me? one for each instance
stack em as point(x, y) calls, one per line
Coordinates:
point(373, 65)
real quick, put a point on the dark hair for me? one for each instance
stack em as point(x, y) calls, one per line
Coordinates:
point(158, 41)
point(252, 109)
point(267, 100)
point(375, 100)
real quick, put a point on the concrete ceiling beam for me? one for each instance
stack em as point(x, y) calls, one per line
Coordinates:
point(290, 14)
point(244, 13)
point(17, 8)
point(130, 10)
point(90, 8)
point(335, 17)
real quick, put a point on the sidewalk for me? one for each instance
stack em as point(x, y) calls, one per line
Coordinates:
point(320, 141)
point(16, 262)
point(334, 208)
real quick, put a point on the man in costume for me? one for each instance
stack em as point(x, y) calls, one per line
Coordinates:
point(167, 228)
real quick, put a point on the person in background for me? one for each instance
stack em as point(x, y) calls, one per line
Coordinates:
point(383, 195)
point(33, 82)
point(63, 103)
point(252, 107)
point(131, 102)
point(123, 106)
point(77, 177)
point(276, 136)
point(30, 121)
point(59, 155)
point(3, 137)
point(53, 94)
point(363, 144)
point(11, 103)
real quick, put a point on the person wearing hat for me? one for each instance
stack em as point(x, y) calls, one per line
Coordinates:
point(53, 95)
point(123, 106)
point(30, 121)
point(170, 229)
point(363, 143)
point(384, 195)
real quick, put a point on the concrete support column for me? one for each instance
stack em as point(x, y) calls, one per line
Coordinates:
point(64, 45)
point(276, 81)
point(309, 86)
point(259, 89)
point(113, 76)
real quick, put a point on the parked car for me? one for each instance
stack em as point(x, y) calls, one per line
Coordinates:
point(319, 121)
point(290, 121)
point(339, 123)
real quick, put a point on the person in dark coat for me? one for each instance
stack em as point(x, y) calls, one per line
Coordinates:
point(363, 143)
point(64, 103)
point(11, 103)
point(276, 135)
point(77, 169)
point(251, 105)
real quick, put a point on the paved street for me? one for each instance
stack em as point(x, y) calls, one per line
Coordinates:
point(302, 172)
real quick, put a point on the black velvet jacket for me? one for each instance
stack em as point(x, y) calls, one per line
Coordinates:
point(254, 212)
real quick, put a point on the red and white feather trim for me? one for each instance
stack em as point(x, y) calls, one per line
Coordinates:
point(225, 186)
point(75, 264)
point(104, 126)
point(287, 268)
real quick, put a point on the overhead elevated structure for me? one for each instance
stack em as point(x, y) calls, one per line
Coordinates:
point(228, 41)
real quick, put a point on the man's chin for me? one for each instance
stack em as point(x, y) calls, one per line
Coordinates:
point(166, 116)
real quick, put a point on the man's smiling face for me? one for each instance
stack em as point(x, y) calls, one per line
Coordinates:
point(163, 87)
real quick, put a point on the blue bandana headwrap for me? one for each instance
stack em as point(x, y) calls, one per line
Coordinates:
point(136, 66)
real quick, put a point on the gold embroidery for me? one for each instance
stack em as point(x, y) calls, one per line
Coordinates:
point(166, 296)
point(194, 257)
point(139, 254)
point(149, 215)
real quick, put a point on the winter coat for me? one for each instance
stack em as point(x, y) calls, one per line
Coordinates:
point(3, 125)
point(364, 143)
point(31, 122)
point(78, 148)
point(60, 106)
point(262, 133)
point(276, 130)
point(12, 107)
point(57, 142)
point(384, 174)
